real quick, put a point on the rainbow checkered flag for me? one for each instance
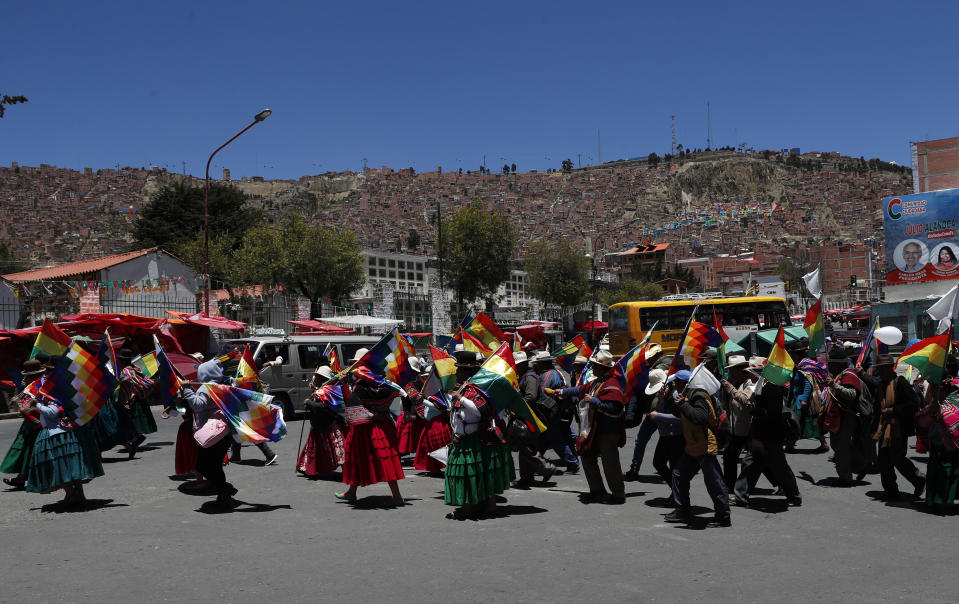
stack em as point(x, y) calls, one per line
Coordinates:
point(253, 416)
point(632, 372)
point(81, 383)
point(389, 359)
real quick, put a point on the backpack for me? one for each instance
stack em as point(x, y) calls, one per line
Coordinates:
point(723, 429)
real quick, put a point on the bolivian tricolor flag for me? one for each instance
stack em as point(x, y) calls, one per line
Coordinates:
point(928, 356)
point(474, 344)
point(246, 375)
point(813, 325)
point(486, 331)
point(497, 377)
point(51, 340)
point(779, 365)
point(445, 367)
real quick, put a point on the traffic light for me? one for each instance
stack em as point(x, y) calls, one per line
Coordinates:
point(787, 285)
point(852, 281)
point(755, 289)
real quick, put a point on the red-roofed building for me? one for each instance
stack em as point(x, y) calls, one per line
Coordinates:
point(145, 282)
point(637, 258)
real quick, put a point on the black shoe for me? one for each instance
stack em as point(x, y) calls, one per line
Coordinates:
point(139, 440)
point(860, 477)
point(718, 523)
point(523, 484)
point(917, 492)
point(550, 470)
point(616, 500)
point(597, 497)
point(794, 502)
point(572, 469)
point(677, 517)
point(738, 501)
point(778, 492)
point(631, 476)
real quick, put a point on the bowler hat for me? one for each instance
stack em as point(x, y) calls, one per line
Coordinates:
point(468, 358)
point(31, 368)
point(884, 360)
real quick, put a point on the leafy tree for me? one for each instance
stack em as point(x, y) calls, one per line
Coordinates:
point(174, 216)
point(632, 290)
point(413, 240)
point(10, 100)
point(558, 274)
point(315, 261)
point(513, 168)
point(9, 263)
point(477, 245)
point(505, 169)
point(653, 159)
point(567, 166)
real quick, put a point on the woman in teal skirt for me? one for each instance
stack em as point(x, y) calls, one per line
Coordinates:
point(942, 471)
point(64, 456)
point(479, 465)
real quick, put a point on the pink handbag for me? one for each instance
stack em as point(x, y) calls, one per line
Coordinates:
point(213, 430)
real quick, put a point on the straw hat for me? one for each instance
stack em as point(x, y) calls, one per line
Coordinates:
point(657, 379)
point(603, 358)
point(736, 360)
point(324, 371)
point(542, 357)
point(359, 354)
point(580, 360)
point(520, 357)
point(652, 350)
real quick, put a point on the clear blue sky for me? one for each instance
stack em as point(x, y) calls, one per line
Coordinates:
point(424, 84)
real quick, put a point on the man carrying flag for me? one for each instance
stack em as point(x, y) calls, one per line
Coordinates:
point(605, 430)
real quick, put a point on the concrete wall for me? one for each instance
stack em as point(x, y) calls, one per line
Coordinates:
point(154, 265)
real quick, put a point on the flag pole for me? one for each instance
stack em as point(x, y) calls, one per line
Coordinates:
point(682, 341)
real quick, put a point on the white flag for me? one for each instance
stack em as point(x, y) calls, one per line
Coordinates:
point(812, 283)
point(945, 309)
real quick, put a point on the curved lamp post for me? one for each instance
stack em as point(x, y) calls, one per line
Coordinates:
point(259, 117)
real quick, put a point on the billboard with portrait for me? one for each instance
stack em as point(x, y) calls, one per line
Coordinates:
point(921, 242)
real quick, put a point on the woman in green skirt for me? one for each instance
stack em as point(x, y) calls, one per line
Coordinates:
point(64, 456)
point(942, 472)
point(479, 465)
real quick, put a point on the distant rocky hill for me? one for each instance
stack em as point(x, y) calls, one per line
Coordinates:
point(702, 204)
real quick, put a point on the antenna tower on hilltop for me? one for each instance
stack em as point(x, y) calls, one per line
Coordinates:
point(672, 150)
point(709, 128)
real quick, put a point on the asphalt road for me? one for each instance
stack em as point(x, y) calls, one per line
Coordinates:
point(288, 540)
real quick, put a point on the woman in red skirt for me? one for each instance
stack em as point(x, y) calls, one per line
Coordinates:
point(371, 454)
point(409, 425)
point(324, 448)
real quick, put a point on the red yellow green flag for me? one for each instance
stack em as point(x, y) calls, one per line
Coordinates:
point(779, 365)
point(497, 377)
point(486, 331)
point(445, 367)
point(51, 340)
point(813, 324)
point(928, 356)
point(246, 374)
point(474, 344)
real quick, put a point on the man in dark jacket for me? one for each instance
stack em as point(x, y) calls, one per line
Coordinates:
point(699, 422)
point(840, 417)
point(899, 404)
point(530, 460)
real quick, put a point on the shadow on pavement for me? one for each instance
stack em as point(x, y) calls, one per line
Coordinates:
point(380, 502)
point(649, 479)
point(88, 506)
point(833, 481)
point(505, 511)
point(191, 487)
point(768, 506)
point(116, 459)
point(324, 476)
point(212, 507)
point(660, 502)
point(904, 500)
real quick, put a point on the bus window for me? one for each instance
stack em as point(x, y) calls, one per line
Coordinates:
point(772, 314)
point(619, 319)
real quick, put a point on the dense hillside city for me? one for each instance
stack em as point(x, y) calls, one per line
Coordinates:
point(703, 204)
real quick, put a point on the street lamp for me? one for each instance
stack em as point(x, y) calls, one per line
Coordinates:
point(592, 323)
point(259, 117)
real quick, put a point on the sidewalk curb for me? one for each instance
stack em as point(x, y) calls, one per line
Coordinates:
point(9, 415)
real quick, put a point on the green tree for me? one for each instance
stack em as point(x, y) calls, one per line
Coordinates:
point(10, 100)
point(652, 159)
point(477, 245)
point(567, 165)
point(174, 216)
point(9, 263)
point(632, 290)
point(315, 261)
point(558, 274)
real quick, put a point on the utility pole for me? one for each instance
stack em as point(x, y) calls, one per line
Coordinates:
point(672, 150)
point(439, 237)
point(709, 128)
point(579, 160)
point(364, 164)
point(599, 149)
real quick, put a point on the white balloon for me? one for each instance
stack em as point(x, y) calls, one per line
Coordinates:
point(890, 336)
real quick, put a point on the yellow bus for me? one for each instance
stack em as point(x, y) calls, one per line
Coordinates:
point(629, 321)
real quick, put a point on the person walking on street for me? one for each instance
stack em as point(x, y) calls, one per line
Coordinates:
point(699, 422)
point(899, 404)
point(665, 414)
point(605, 430)
point(531, 461)
point(737, 392)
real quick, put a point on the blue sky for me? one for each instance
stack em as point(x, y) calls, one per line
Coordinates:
point(428, 84)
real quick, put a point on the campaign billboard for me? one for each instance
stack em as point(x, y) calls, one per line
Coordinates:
point(921, 242)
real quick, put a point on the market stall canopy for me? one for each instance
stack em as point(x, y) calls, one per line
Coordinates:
point(206, 320)
point(766, 337)
point(362, 321)
point(314, 326)
point(591, 326)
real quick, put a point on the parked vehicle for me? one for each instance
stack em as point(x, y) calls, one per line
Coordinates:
point(289, 382)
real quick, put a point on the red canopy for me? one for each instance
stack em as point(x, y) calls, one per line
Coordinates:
point(322, 328)
point(591, 326)
point(206, 320)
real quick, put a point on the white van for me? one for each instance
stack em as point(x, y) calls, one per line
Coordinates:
point(289, 382)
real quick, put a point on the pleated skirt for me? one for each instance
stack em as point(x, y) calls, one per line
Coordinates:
point(475, 472)
point(942, 477)
point(62, 458)
point(436, 435)
point(324, 451)
point(409, 430)
point(370, 453)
